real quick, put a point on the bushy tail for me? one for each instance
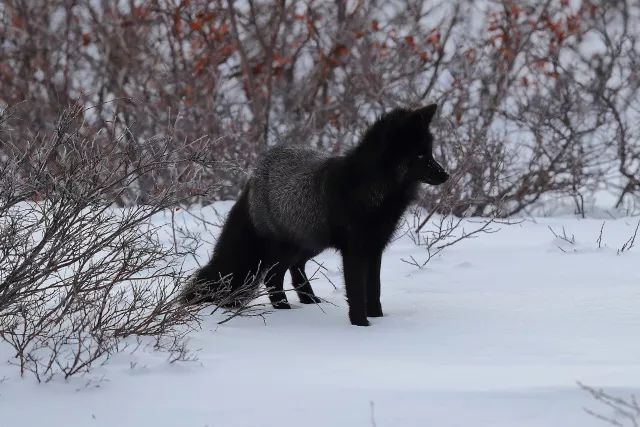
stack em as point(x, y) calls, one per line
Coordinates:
point(232, 275)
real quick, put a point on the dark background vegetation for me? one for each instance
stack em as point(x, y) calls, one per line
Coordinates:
point(539, 100)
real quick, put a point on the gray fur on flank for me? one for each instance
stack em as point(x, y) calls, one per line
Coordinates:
point(286, 196)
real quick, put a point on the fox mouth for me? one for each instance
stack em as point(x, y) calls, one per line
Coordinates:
point(436, 181)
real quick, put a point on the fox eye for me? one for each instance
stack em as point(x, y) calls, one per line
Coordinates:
point(420, 156)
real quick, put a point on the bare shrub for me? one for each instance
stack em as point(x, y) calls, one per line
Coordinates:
point(538, 99)
point(568, 239)
point(631, 241)
point(78, 277)
point(526, 119)
point(435, 232)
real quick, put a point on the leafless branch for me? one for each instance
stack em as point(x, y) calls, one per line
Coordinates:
point(623, 412)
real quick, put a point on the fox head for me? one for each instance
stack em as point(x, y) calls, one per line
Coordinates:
point(410, 146)
point(422, 165)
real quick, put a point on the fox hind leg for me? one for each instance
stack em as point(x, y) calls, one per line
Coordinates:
point(302, 285)
point(275, 283)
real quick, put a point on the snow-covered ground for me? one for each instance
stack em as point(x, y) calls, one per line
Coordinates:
point(495, 332)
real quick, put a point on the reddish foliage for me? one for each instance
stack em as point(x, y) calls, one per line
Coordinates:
point(409, 40)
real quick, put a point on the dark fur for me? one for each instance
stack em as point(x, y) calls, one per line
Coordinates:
point(298, 203)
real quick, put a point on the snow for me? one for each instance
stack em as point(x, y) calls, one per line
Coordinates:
point(495, 332)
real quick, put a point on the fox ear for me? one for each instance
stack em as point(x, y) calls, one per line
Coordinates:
point(426, 113)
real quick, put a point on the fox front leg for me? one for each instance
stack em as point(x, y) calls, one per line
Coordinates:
point(355, 270)
point(374, 308)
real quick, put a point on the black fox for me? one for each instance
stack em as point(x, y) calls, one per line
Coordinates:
point(299, 202)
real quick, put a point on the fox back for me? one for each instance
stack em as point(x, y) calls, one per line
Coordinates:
point(287, 196)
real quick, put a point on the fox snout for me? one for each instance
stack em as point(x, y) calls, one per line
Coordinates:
point(444, 177)
point(433, 173)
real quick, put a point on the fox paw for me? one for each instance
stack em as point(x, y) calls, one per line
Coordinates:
point(310, 299)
